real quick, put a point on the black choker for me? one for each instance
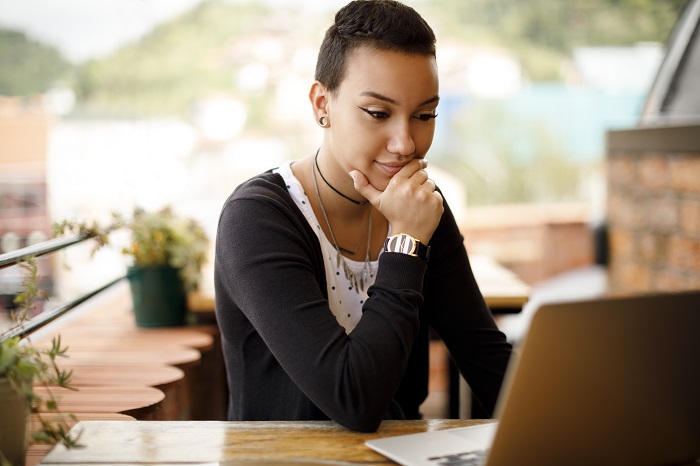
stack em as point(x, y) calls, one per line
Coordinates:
point(331, 186)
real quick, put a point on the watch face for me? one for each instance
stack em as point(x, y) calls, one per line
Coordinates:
point(402, 243)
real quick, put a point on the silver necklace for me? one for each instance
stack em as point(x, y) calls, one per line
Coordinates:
point(366, 229)
point(340, 259)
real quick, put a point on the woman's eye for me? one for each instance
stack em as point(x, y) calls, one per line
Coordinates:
point(379, 115)
point(426, 116)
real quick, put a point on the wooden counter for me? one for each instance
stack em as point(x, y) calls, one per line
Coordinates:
point(237, 443)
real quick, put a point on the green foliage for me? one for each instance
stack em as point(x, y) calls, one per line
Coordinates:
point(186, 58)
point(190, 57)
point(542, 32)
point(156, 238)
point(492, 163)
point(24, 366)
point(178, 62)
point(92, 229)
point(30, 293)
point(162, 238)
point(28, 67)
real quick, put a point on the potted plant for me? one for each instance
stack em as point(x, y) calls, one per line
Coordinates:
point(167, 253)
point(23, 366)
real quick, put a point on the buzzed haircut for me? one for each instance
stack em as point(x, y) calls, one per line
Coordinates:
point(379, 24)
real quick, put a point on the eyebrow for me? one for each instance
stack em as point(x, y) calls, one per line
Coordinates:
point(376, 95)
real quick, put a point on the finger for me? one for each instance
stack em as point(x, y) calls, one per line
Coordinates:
point(420, 177)
point(430, 184)
point(411, 168)
point(363, 187)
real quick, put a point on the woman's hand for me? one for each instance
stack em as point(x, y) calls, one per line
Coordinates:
point(410, 202)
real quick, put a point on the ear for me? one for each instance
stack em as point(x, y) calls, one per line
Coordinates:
point(319, 98)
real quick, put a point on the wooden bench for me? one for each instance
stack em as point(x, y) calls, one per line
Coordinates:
point(173, 373)
point(168, 379)
point(138, 401)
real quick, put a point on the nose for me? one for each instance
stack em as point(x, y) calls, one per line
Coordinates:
point(401, 140)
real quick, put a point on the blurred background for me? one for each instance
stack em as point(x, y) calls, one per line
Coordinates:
point(120, 103)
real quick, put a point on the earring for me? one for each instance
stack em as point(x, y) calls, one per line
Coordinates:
point(323, 122)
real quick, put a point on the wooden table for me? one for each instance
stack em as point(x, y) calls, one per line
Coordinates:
point(237, 443)
point(37, 451)
point(503, 291)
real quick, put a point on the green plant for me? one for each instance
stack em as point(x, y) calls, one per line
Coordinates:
point(25, 366)
point(156, 238)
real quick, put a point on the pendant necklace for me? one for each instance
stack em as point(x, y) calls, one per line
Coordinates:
point(340, 259)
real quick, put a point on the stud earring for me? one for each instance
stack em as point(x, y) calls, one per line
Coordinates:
point(323, 122)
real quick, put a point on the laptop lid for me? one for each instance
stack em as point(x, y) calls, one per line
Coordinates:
point(607, 381)
point(611, 381)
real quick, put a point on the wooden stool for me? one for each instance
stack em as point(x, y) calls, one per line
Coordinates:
point(168, 379)
point(142, 403)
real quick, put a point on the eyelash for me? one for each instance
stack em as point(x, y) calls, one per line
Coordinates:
point(384, 115)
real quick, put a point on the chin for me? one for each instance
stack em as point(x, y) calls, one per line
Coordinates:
point(380, 184)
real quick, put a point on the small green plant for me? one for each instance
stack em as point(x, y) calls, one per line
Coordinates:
point(157, 238)
point(25, 366)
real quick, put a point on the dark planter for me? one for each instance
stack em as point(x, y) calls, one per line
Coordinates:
point(158, 295)
point(14, 424)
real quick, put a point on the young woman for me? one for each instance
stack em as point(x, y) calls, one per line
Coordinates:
point(331, 269)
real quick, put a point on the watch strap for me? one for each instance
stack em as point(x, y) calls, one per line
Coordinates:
point(406, 244)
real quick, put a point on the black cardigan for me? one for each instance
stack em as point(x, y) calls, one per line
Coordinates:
point(287, 358)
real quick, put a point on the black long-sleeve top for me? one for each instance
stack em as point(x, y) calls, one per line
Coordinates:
point(287, 358)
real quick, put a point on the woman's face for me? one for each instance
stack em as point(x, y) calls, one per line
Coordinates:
point(383, 113)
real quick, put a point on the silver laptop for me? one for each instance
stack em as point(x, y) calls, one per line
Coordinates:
point(612, 381)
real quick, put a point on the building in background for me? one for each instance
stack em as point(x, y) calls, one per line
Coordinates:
point(24, 216)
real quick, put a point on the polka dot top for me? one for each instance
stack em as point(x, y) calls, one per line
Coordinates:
point(344, 300)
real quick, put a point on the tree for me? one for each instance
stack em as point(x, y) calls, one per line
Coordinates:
point(28, 67)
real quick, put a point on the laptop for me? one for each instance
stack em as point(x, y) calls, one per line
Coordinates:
point(610, 381)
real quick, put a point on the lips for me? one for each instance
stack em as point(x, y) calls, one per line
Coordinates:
point(390, 169)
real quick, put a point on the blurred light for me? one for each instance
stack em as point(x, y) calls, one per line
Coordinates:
point(36, 237)
point(59, 101)
point(9, 242)
point(493, 75)
point(253, 77)
point(220, 119)
point(619, 69)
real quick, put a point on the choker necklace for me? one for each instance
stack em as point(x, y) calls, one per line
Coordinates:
point(340, 260)
point(331, 186)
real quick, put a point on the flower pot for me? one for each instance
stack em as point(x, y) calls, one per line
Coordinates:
point(14, 423)
point(158, 296)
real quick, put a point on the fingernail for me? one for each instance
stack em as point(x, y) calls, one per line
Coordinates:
point(352, 175)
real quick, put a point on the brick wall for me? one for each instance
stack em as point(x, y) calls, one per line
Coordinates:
point(536, 241)
point(654, 209)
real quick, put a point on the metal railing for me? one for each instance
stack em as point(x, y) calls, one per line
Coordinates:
point(46, 317)
point(40, 249)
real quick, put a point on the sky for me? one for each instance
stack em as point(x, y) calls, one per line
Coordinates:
point(85, 29)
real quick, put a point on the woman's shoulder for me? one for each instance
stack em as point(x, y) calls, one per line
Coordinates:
point(269, 183)
point(268, 187)
point(261, 196)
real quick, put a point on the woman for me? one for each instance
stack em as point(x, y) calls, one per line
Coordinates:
point(330, 270)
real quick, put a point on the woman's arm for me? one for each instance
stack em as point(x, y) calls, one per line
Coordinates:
point(271, 269)
point(461, 317)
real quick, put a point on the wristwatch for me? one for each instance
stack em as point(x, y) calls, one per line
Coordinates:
point(406, 244)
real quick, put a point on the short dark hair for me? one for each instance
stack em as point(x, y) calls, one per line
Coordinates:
point(379, 24)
